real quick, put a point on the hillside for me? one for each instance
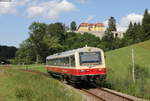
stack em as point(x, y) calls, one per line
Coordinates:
point(23, 86)
point(119, 64)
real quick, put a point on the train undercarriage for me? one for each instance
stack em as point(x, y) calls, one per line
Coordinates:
point(77, 80)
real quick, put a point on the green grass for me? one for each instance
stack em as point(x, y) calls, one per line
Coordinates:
point(38, 67)
point(23, 86)
point(119, 61)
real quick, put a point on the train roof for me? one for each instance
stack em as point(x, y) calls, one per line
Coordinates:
point(70, 52)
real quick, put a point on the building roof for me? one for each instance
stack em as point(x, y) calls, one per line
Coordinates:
point(84, 24)
point(99, 25)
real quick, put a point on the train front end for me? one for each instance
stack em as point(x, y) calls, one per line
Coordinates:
point(91, 65)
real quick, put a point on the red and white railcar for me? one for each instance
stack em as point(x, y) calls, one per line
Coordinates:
point(82, 64)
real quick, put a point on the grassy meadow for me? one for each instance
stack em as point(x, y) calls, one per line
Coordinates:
point(119, 64)
point(38, 67)
point(24, 86)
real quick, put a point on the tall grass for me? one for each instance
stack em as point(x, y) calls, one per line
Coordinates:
point(23, 86)
point(38, 67)
point(119, 71)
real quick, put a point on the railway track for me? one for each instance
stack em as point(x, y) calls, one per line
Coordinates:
point(96, 97)
point(104, 94)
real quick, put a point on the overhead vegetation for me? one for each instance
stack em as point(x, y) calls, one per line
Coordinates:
point(46, 39)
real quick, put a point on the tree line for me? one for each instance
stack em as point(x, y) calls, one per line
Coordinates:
point(6, 53)
point(47, 39)
point(138, 32)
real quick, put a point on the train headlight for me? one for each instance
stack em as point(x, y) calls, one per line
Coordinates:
point(82, 70)
point(100, 69)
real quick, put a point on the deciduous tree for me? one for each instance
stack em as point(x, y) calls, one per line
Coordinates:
point(37, 33)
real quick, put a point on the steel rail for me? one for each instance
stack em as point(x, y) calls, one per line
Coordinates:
point(102, 99)
point(116, 94)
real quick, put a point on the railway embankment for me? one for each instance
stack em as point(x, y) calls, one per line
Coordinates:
point(120, 70)
point(26, 86)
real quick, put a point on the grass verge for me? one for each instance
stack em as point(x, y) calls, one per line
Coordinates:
point(119, 63)
point(23, 86)
point(38, 67)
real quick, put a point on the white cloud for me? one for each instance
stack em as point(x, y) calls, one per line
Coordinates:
point(12, 6)
point(90, 18)
point(121, 28)
point(46, 9)
point(22, 2)
point(35, 11)
point(105, 23)
point(51, 9)
point(7, 7)
point(134, 18)
point(124, 22)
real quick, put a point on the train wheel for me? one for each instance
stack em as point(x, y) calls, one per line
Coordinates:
point(61, 77)
point(75, 85)
point(50, 74)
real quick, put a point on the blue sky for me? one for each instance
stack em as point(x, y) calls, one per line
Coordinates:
point(16, 16)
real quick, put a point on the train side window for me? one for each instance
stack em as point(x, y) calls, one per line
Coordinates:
point(66, 61)
point(61, 62)
point(49, 62)
point(72, 60)
point(52, 62)
point(58, 62)
point(55, 62)
point(46, 62)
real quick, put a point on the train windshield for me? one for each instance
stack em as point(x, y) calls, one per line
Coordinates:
point(90, 58)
